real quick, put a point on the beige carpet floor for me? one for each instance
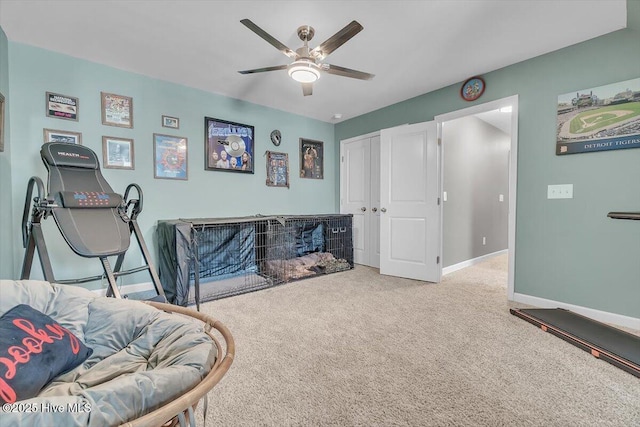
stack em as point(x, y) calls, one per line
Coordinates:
point(360, 349)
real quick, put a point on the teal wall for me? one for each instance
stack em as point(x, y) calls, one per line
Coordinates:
point(6, 244)
point(34, 71)
point(566, 250)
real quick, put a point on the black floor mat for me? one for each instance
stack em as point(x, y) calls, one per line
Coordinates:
point(617, 347)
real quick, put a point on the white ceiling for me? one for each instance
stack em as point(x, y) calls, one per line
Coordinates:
point(413, 47)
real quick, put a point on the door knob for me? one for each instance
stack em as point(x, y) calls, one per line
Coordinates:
point(383, 210)
point(363, 209)
point(374, 209)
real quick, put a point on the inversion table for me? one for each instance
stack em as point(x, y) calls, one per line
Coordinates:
point(94, 221)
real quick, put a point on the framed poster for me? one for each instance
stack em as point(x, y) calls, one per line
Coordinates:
point(117, 153)
point(170, 156)
point(277, 169)
point(170, 122)
point(1, 122)
point(117, 110)
point(52, 135)
point(598, 119)
point(228, 146)
point(311, 159)
point(62, 106)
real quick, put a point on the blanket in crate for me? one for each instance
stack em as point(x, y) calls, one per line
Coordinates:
point(304, 266)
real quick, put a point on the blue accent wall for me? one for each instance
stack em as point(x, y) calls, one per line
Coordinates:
point(6, 244)
point(35, 71)
point(566, 250)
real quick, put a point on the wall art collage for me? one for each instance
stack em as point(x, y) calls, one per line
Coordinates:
point(228, 147)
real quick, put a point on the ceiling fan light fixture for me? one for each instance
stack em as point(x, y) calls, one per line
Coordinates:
point(304, 72)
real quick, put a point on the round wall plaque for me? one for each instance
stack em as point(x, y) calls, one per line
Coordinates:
point(472, 89)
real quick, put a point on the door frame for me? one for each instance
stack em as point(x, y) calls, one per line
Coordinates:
point(513, 171)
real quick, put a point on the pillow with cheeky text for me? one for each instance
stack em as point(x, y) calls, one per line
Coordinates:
point(34, 349)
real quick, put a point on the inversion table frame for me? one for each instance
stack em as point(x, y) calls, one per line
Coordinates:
point(74, 177)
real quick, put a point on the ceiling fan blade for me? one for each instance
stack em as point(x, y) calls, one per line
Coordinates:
point(336, 40)
point(262, 70)
point(307, 89)
point(346, 72)
point(269, 38)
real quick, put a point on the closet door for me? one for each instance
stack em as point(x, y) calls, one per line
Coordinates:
point(374, 215)
point(410, 211)
point(355, 193)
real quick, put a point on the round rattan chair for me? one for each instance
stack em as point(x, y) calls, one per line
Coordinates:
point(180, 410)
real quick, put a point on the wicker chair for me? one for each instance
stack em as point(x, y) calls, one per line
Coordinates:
point(150, 363)
point(181, 410)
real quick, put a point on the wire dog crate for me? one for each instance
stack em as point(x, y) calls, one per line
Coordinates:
point(237, 255)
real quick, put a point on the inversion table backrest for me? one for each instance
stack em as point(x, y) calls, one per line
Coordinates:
point(87, 211)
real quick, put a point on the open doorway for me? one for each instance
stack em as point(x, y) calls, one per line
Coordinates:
point(482, 186)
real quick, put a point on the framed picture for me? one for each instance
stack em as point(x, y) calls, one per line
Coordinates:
point(52, 135)
point(311, 159)
point(170, 156)
point(277, 169)
point(228, 146)
point(117, 110)
point(601, 118)
point(170, 122)
point(1, 122)
point(117, 153)
point(62, 106)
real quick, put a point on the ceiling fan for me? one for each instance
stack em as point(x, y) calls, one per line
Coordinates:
point(307, 67)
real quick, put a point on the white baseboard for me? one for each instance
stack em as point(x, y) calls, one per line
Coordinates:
point(601, 316)
point(470, 262)
point(127, 289)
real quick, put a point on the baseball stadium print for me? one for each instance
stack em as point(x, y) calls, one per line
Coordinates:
point(603, 118)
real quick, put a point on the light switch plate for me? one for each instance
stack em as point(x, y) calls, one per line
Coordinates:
point(560, 191)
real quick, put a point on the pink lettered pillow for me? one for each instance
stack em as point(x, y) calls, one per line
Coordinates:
point(34, 349)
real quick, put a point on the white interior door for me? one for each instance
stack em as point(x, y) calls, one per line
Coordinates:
point(410, 210)
point(374, 213)
point(355, 193)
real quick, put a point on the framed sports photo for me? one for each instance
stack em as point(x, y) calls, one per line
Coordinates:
point(52, 135)
point(170, 156)
point(117, 153)
point(311, 159)
point(228, 146)
point(170, 122)
point(277, 169)
point(117, 110)
point(62, 106)
point(601, 118)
